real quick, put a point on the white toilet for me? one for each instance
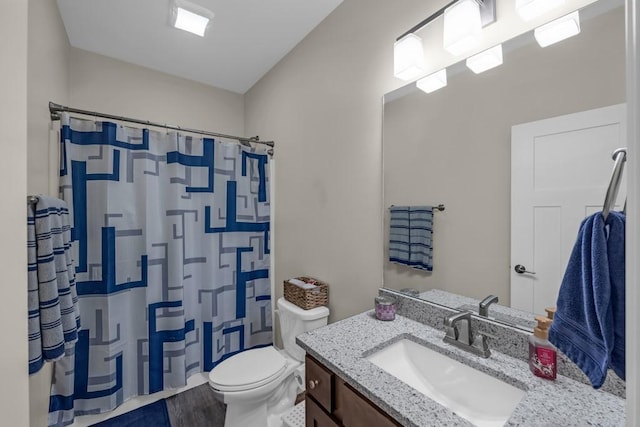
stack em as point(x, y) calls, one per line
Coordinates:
point(261, 384)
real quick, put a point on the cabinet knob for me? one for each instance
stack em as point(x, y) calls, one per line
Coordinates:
point(313, 384)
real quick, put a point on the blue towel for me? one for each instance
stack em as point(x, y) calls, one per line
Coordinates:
point(410, 236)
point(589, 325)
point(54, 317)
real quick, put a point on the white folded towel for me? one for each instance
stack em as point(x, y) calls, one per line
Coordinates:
point(302, 284)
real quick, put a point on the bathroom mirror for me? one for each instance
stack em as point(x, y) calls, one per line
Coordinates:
point(453, 147)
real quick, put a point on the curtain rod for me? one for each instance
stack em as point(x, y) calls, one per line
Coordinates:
point(55, 109)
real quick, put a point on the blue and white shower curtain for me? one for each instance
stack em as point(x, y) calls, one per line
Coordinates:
point(171, 245)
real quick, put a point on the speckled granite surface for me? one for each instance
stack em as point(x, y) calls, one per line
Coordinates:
point(507, 340)
point(497, 311)
point(342, 347)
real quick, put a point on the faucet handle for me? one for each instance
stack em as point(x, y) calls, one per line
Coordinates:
point(455, 317)
point(451, 332)
point(450, 329)
point(481, 342)
point(458, 327)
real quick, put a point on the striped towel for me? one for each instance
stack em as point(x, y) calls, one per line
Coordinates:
point(410, 233)
point(54, 316)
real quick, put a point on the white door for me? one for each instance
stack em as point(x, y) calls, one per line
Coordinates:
point(560, 171)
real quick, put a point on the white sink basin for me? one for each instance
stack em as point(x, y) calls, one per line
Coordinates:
point(473, 395)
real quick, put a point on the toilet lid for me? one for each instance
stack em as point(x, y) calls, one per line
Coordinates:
point(249, 369)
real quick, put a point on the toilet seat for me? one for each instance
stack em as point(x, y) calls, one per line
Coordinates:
point(249, 369)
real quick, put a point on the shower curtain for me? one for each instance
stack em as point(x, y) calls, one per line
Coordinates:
point(171, 246)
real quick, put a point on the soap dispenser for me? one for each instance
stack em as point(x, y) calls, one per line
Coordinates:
point(542, 354)
point(551, 311)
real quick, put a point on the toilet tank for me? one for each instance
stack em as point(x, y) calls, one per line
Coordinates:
point(294, 321)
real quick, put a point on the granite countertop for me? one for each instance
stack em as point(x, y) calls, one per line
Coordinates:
point(343, 346)
point(496, 311)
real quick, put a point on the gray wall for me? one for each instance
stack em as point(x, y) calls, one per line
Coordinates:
point(14, 403)
point(453, 147)
point(48, 80)
point(48, 74)
point(322, 105)
point(112, 86)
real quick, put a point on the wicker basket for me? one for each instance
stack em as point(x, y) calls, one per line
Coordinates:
point(307, 298)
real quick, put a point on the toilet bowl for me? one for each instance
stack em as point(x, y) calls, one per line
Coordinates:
point(261, 384)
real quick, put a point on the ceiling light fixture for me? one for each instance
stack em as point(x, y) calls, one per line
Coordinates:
point(530, 9)
point(560, 29)
point(485, 60)
point(433, 81)
point(190, 17)
point(408, 57)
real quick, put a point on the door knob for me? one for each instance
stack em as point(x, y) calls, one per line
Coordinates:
point(313, 384)
point(521, 269)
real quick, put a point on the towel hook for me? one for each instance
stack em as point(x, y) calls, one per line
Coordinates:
point(619, 156)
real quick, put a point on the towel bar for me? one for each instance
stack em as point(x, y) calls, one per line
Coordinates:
point(440, 207)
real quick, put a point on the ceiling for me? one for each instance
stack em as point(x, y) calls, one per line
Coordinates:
point(244, 41)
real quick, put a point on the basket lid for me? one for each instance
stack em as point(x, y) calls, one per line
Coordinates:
point(311, 314)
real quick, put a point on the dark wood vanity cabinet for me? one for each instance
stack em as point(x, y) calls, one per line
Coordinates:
point(332, 402)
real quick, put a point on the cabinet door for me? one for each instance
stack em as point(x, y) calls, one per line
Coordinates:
point(319, 383)
point(354, 410)
point(315, 416)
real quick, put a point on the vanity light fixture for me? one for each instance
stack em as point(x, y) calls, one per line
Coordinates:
point(560, 29)
point(433, 81)
point(409, 61)
point(408, 57)
point(462, 27)
point(530, 9)
point(485, 60)
point(190, 17)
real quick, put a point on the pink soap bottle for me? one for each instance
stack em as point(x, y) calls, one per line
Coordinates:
point(542, 354)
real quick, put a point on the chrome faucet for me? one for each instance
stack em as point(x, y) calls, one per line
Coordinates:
point(457, 327)
point(459, 333)
point(483, 309)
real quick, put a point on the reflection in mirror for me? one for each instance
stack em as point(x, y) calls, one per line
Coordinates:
point(453, 146)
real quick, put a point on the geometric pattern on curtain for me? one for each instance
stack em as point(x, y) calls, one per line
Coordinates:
point(171, 245)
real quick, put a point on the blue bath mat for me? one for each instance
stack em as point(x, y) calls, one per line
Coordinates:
point(152, 415)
